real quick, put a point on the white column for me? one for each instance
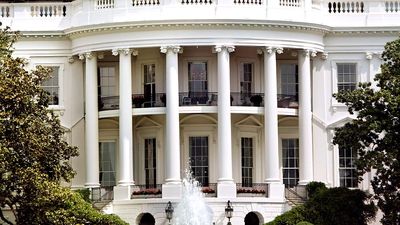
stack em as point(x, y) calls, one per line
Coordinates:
point(171, 188)
point(271, 156)
point(226, 186)
point(91, 120)
point(125, 117)
point(305, 118)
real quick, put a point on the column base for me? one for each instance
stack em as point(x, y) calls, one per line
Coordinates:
point(276, 191)
point(92, 185)
point(172, 190)
point(226, 190)
point(123, 192)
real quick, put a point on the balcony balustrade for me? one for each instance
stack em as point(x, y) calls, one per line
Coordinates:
point(86, 12)
point(147, 191)
point(198, 99)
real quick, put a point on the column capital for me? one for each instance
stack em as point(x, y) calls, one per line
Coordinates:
point(174, 48)
point(308, 52)
point(87, 55)
point(71, 59)
point(229, 48)
point(124, 51)
point(324, 55)
point(369, 55)
point(271, 50)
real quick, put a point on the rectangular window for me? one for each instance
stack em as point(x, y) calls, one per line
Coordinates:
point(246, 80)
point(347, 168)
point(51, 85)
point(198, 153)
point(289, 80)
point(290, 162)
point(107, 163)
point(149, 73)
point(150, 162)
point(346, 76)
point(107, 81)
point(247, 162)
point(198, 85)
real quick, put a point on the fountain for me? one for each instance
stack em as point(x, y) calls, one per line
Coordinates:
point(192, 210)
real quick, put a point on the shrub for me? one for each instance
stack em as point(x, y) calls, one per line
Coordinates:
point(291, 217)
point(304, 223)
point(85, 194)
point(315, 187)
point(338, 206)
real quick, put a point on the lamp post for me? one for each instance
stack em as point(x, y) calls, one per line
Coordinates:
point(229, 211)
point(169, 211)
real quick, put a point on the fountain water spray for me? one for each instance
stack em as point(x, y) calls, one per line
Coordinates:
point(192, 210)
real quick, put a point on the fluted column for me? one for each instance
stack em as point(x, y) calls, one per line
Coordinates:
point(225, 178)
point(91, 120)
point(125, 172)
point(305, 118)
point(172, 147)
point(271, 148)
point(271, 156)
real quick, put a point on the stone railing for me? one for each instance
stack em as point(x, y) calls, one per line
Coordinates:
point(290, 3)
point(196, 2)
point(346, 7)
point(392, 6)
point(49, 10)
point(5, 11)
point(248, 2)
point(105, 4)
point(145, 2)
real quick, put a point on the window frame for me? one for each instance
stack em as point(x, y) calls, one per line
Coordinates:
point(281, 157)
point(60, 105)
point(115, 159)
point(334, 72)
point(253, 167)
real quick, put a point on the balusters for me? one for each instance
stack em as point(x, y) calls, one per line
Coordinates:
point(346, 7)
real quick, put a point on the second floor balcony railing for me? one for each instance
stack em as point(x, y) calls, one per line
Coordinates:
point(252, 190)
point(197, 99)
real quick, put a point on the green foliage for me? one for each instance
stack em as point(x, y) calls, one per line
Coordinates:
point(338, 206)
point(291, 217)
point(334, 206)
point(304, 223)
point(375, 131)
point(85, 194)
point(33, 151)
point(314, 187)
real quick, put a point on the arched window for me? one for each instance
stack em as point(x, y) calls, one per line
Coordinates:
point(147, 219)
point(251, 219)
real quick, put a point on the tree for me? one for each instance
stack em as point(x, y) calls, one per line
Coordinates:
point(34, 157)
point(375, 131)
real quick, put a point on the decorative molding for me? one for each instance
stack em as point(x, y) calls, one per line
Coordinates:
point(114, 52)
point(87, 55)
point(71, 59)
point(270, 50)
point(100, 55)
point(219, 48)
point(324, 55)
point(174, 48)
point(369, 55)
point(313, 53)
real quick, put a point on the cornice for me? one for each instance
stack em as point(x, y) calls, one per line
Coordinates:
point(82, 31)
point(77, 32)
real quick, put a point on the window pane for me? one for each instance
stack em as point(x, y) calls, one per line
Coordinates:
point(347, 168)
point(51, 85)
point(107, 163)
point(290, 162)
point(198, 153)
point(346, 76)
point(150, 162)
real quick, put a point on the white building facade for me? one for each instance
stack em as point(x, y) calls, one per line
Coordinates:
point(241, 89)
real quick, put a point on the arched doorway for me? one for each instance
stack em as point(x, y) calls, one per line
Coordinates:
point(147, 219)
point(251, 219)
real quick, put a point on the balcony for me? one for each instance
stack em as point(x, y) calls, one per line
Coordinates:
point(59, 16)
point(198, 99)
